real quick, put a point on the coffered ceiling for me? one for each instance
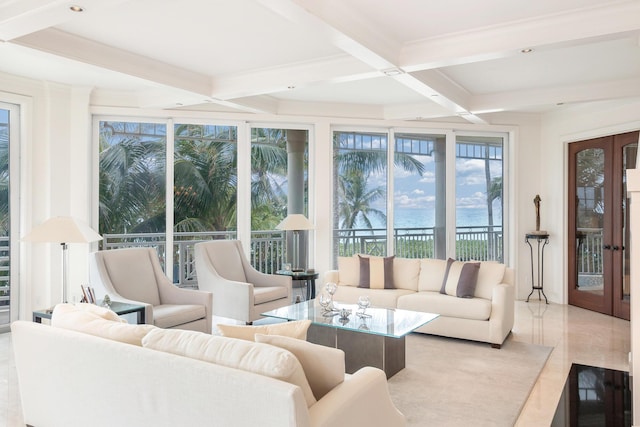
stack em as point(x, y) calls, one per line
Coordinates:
point(393, 59)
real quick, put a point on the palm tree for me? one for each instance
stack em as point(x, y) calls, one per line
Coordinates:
point(356, 200)
point(205, 182)
point(132, 184)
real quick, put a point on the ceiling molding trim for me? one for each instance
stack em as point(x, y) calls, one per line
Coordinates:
point(572, 27)
point(90, 52)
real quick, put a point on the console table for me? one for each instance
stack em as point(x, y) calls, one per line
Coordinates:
point(308, 277)
point(542, 239)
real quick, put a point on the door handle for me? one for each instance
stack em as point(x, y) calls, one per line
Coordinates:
point(607, 246)
point(615, 248)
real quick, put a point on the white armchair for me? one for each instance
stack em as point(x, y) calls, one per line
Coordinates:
point(239, 291)
point(134, 275)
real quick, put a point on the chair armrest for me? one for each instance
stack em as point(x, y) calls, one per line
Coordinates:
point(262, 279)
point(362, 400)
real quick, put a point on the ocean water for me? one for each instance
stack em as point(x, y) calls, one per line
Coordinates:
point(415, 218)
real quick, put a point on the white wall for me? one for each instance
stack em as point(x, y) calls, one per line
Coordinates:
point(54, 180)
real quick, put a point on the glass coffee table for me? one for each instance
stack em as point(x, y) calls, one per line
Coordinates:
point(378, 339)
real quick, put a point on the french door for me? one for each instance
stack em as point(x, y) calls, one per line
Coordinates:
point(598, 232)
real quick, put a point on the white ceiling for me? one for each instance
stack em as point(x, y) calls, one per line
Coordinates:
point(454, 58)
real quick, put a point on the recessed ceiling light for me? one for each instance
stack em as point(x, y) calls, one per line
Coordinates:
point(76, 8)
point(392, 72)
point(526, 50)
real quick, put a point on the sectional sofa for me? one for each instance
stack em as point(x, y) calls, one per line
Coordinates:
point(89, 368)
point(480, 310)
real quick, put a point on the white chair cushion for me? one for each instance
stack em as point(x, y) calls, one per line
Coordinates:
point(349, 271)
point(132, 275)
point(296, 329)
point(171, 315)
point(323, 366)
point(262, 294)
point(262, 359)
point(431, 274)
point(490, 274)
point(446, 305)
point(87, 320)
point(226, 260)
point(406, 272)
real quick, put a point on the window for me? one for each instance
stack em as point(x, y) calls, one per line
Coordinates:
point(425, 207)
point(360, 193)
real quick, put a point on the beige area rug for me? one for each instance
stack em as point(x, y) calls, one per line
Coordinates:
point(450, 382)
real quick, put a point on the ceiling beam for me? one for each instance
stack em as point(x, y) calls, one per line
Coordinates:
point(90, 52)
point(571, 28)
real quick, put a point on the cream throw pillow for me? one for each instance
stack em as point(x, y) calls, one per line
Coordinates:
point(87, 319)
point(296, 329)
point(349, 271)
point(323, 366)
point(252, 357)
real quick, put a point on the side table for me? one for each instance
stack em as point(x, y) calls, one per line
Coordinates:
point(542, 240)
point(309, 277)
point(120, 308)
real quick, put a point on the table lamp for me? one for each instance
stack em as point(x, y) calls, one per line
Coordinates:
point(295, 223)
point(63, 230)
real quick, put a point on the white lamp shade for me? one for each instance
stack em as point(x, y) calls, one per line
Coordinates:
point(62, 229)
point(295, 222)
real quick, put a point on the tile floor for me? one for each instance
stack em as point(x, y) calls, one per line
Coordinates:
point(578, 336)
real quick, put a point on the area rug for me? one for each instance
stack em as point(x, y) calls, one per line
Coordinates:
point(449, 382)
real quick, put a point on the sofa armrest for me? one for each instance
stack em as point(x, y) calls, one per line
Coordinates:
point(332, 276)
point(362, 400)
point(502, 312)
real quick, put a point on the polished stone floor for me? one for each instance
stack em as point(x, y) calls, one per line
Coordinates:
point(578, 336)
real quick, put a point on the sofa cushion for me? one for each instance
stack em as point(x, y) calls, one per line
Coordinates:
point(431, 274)
point(349, 271)
point(253, 357)
point(88, 320)
point(378, 297)
point(172, 315)
point(406, 272)
point(296, 329)
point(460, 278)
point(490, 274)
point(446, 305)
point(376, 272)
point(323, 366)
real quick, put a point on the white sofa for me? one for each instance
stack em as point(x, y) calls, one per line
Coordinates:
point(487, 317)
point(76, 378)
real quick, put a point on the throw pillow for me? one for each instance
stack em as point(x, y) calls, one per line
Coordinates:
point(348, 271)
point(87, 320)
point(376, 272)
point(323, 366)
point(296, 329)
point(460, 278)
point(261, 359)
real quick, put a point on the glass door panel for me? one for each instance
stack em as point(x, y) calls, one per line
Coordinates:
point(590, 209)
point(6, 117)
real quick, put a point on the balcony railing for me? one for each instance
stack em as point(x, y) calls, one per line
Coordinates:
point(268, 247)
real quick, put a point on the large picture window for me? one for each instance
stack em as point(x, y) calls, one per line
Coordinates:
point(426, 209)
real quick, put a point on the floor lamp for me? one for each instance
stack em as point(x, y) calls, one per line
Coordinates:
point(62, 230)
point(295, 223)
